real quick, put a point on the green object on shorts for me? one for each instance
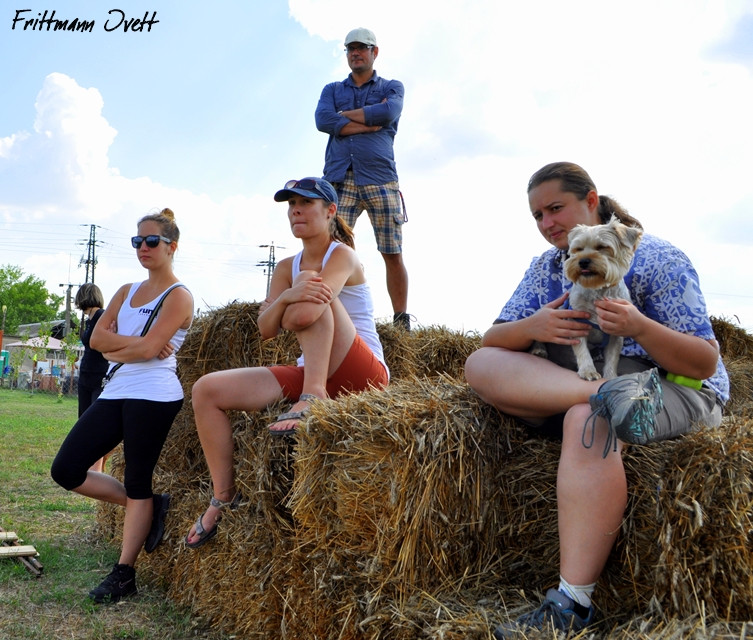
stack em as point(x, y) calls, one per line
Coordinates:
point(684, 381)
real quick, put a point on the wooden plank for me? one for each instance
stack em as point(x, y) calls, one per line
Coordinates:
point(20, 550)
point(32, 565)
point(8, 536)
point(30, 562)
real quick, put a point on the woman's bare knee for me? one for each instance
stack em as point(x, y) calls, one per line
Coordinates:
point(203, 390)
point(584, 436)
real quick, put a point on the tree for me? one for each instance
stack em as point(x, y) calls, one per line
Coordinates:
point(26, 298)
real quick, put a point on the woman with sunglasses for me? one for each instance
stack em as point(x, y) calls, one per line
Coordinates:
point(141, 397)
point(321, 294)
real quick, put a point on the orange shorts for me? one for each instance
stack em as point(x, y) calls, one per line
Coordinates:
point(359, 370)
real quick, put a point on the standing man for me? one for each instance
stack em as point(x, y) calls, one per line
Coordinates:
point(360, 115)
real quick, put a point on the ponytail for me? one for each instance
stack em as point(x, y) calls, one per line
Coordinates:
point(609, 207)
point(342, 232)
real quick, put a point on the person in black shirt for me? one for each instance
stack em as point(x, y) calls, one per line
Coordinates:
point(93, 365)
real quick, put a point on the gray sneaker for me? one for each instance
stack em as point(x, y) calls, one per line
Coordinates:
point(629, 403)
point(556, 613)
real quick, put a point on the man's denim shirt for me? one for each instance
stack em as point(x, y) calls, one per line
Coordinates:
point(370, 155)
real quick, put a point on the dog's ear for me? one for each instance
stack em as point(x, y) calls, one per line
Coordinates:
point(629, 236)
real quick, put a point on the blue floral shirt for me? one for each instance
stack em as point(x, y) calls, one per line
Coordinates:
point(663, 285)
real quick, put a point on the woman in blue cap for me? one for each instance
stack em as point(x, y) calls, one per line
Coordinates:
point(322, 295)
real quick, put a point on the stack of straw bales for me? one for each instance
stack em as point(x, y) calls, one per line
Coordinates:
point(420, 512)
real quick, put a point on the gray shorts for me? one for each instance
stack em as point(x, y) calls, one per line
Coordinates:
point(685, 409)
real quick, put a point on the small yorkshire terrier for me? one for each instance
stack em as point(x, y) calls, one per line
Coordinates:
point(599, 257)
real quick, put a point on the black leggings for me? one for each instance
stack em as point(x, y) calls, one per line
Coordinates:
point(89, 388)
point(141, 425)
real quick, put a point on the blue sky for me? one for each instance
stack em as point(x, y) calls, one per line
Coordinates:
point(212, 110)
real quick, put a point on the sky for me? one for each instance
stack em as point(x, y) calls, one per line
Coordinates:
point(209, 109)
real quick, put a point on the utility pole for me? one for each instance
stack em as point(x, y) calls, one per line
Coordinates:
point(269, 264)
point(2, 331)
point(67, 329)
point(91, 258)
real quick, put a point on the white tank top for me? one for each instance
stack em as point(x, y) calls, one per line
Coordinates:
point(153, 379)
point(358, 303)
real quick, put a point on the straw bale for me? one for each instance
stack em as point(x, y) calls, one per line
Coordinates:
point(741, 387)
point(442, 351)
point(685, 543)
point(734, 342)
point(704, 501)
point(399, 351)
point(378, 463)
point(388, 498)
point(420, 512)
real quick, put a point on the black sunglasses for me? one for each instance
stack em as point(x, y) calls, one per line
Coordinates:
point(151, 241)
point(306, 183)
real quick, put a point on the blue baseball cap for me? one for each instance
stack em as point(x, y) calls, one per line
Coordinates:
point(308, 187)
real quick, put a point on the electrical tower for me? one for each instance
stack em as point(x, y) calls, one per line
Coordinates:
point(91, 258)
point(269, 265)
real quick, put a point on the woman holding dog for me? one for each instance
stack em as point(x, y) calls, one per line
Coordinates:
point(322, 295)
point(670, 379)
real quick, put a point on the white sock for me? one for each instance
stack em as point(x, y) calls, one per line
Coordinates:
point(580, 593)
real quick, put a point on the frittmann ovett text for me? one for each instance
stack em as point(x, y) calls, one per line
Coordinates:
point(116, 20)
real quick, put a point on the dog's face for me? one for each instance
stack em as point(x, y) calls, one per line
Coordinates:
point(600, 255)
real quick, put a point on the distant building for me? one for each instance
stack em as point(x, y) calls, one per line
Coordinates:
point(32, 330)
point(48, 361)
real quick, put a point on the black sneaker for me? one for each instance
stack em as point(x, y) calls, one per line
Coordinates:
point(556, 613)
point(120, 583)
point(401, 320)
point(157, 530)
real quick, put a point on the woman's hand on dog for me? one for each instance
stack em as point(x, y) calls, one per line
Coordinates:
point(552, 323)
point(618, 317)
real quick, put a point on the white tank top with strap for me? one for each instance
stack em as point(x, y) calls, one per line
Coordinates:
point(357, 302)
point(153, 379)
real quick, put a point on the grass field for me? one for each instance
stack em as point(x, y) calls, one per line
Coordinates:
point(62, 527)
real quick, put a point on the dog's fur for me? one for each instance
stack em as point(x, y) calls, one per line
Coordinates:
point(599, 257)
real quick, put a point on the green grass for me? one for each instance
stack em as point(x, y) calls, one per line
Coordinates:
point(62, 527)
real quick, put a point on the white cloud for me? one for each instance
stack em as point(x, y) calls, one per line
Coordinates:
point(62, 164)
